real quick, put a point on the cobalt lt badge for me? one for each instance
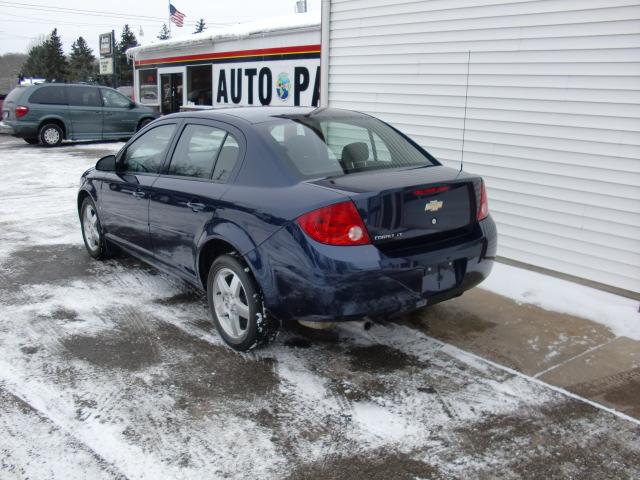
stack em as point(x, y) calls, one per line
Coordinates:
point(433, 206)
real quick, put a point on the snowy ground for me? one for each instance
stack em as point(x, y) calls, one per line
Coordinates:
point(113, 370)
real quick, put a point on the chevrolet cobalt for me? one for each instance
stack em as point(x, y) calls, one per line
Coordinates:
point(283, 214)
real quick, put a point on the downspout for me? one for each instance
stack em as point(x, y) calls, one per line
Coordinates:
point(324, 52)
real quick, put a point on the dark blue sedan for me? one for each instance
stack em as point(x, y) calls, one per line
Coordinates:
point(285, 214)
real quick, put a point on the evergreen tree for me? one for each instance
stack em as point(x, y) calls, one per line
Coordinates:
point(34, 64)
point(81, 62)
point(124, 70)
point(200, 26)
point(55, 63)
point(164, 33)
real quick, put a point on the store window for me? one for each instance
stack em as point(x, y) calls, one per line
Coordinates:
point(148, 80)
point(200, 85)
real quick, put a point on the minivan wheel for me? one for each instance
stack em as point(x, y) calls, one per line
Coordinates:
point(92, 235)
point(50, 135)
point(144, 123)
point(31, 141)
point(236, 305)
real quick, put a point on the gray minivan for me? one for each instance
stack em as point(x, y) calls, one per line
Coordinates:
point(47, 113)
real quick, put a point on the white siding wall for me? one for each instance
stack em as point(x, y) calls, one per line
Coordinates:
point(553, 118)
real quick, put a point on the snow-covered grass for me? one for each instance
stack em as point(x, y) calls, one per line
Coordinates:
point(618, 313)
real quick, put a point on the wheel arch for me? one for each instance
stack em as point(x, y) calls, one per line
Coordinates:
point(82, 194)
point(218, 239)
point(55, 120)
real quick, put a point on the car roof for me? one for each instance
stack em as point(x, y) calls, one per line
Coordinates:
point(61, 84)
point(256, 115)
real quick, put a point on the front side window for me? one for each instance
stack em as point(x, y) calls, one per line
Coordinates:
point(322, 147)
point(147, 152)
point(196, 151)
point(50, 95)
point(84, 97)
point(111, 98)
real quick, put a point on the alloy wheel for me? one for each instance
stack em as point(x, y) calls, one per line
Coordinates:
point(230, 303)
point(90, 228)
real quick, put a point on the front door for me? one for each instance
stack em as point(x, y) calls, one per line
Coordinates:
point(119, 120)
point(125, 194)
point(171, 87)
point(186, 195)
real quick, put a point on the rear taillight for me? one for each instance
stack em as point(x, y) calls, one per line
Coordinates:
point(338, 224)
point(21, 111)
point(483, 206)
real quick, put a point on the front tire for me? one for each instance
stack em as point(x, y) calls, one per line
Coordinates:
point(94, 240)
point(144, 123)
point(50, 135)
point(236, 305)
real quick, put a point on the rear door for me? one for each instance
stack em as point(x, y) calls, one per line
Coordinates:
point(185, 197)
point(120, 120)
point(85, 110)
point(124, 204)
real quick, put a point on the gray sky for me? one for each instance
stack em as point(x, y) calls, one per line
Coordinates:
point(23, 21)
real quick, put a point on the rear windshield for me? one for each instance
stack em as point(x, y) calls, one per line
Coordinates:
point(15, 94)
point(338, 146)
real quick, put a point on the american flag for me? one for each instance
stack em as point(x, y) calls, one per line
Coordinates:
point(176, 16)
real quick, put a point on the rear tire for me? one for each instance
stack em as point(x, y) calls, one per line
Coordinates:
point(50, 135)
point(31, 141)
point(92, 235)
point(236, 306)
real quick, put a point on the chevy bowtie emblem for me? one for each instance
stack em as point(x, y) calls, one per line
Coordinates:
point(433, 206)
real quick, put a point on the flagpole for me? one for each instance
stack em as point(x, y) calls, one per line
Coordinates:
point(169, 18)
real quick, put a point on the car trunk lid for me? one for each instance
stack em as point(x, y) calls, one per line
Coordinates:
point(405, 205)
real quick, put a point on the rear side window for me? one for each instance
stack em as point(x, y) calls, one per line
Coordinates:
point(50, 95)
point(84, 97)
point(227, 159)
point(147, 152)
point(197, 151)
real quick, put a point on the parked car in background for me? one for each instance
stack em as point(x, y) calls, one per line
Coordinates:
point(285, 214)
point(49, 113)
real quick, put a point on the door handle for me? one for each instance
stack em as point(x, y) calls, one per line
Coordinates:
point(195, 206)
point(139, 194)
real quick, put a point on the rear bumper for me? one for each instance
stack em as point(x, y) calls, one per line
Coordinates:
point(23, 129)
point(305, 280)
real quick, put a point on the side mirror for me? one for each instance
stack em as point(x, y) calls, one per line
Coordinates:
point(106, 164)
point(132, 105)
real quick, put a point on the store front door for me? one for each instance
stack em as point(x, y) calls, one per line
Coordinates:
point(171, 88)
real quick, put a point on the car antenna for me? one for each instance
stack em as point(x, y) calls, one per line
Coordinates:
point(464, 120)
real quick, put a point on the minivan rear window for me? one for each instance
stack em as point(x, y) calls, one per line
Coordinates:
point(14, 95)
point(326, 147)
point(51, 95)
